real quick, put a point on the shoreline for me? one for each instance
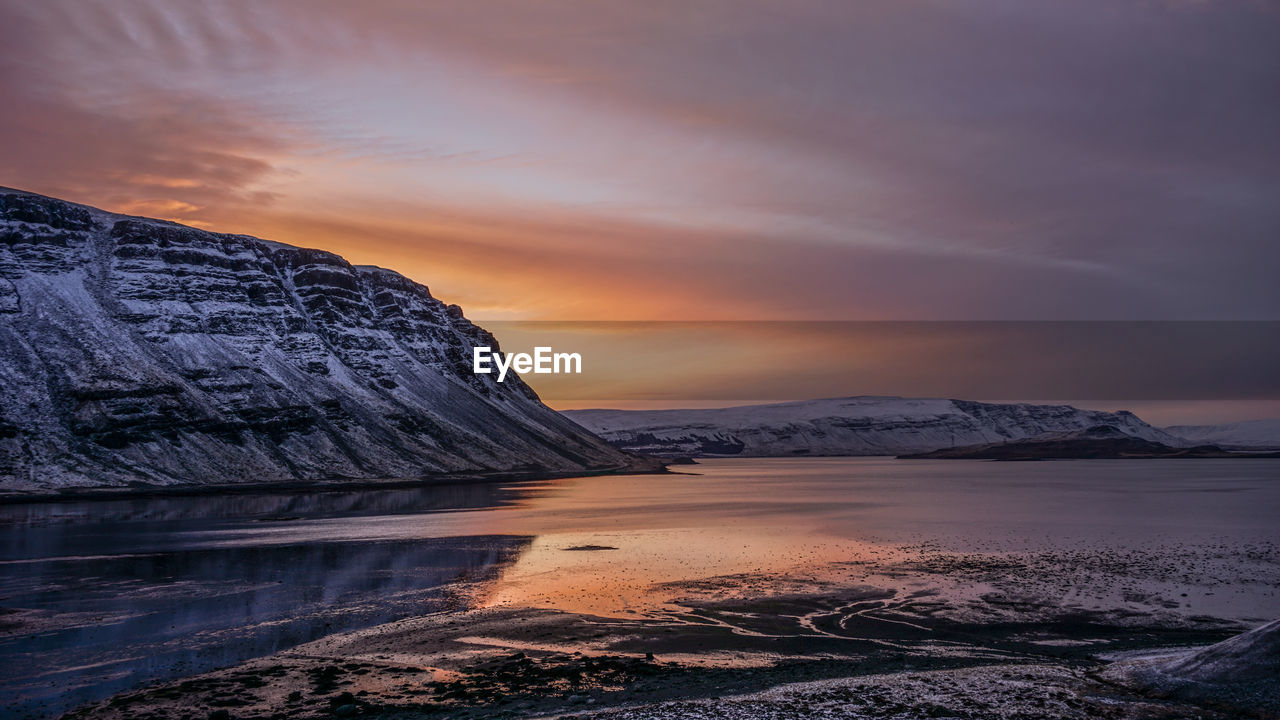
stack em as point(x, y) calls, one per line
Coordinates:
point(658, 466)
point(129, 492)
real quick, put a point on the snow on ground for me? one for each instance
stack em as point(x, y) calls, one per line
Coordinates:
point(867, 425)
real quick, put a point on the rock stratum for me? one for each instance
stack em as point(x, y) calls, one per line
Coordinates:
point(139, 351)
point(847, 426)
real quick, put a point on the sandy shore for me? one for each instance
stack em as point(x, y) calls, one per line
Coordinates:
point(918, 632)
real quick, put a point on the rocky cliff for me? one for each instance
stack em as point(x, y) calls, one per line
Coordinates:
point(142, 351)
point(846, 426)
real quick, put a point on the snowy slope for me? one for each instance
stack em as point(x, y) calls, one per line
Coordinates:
point(136, 350)
point(846, 426)
point(1248, 434)
point(1239, 672)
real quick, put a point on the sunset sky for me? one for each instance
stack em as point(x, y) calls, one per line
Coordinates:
point(688, 161)
point(706, 160)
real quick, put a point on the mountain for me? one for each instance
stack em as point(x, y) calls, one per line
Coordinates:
point(846, 426)
point(1258, 434)
point(143, 351)
point(1098, 442)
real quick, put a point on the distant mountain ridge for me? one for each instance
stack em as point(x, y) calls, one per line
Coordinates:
point(866, 425)
point(143, 351)
point(1098, 442)
point(1255, 434)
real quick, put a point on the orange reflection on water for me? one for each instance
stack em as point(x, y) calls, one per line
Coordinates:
point(644, 570)
point(736, 528)
point(627, 546)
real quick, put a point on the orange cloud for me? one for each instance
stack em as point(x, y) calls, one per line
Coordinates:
point(749, 160)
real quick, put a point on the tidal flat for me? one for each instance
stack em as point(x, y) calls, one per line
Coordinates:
point(815, 587)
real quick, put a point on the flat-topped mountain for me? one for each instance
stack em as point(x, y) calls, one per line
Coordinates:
point(142, 351)
point(846, 426)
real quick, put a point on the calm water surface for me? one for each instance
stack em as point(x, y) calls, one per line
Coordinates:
point(103, 596)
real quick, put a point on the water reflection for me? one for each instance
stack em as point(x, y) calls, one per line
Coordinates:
point(266, 506)
point(100, 597)
point(108, 595)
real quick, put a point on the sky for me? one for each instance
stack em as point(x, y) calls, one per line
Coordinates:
point(705, 160)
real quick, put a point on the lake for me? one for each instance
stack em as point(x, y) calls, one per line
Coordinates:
point(102, 596)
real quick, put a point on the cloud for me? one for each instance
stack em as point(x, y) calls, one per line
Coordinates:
point(127, 144)
point(714, 159)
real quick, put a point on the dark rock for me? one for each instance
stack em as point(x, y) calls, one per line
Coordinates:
point(1242, 672)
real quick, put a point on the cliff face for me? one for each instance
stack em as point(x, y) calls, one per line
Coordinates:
point(136, 350)
point(846, 426)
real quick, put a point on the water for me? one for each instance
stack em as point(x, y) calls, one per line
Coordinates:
point(103, 596)
point(107, 595)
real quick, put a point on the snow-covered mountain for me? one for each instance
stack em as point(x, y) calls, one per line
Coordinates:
point(1248, 434)
point(137, 350)
point(1098, 442)
point(846, 426)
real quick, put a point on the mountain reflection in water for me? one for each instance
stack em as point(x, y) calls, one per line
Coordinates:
point(103, 596)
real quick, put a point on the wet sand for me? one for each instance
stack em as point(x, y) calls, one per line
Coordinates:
point(957, 595)
point(986, 635)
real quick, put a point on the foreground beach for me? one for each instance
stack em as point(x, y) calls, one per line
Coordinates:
point(886, 589)
point(920, 634)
